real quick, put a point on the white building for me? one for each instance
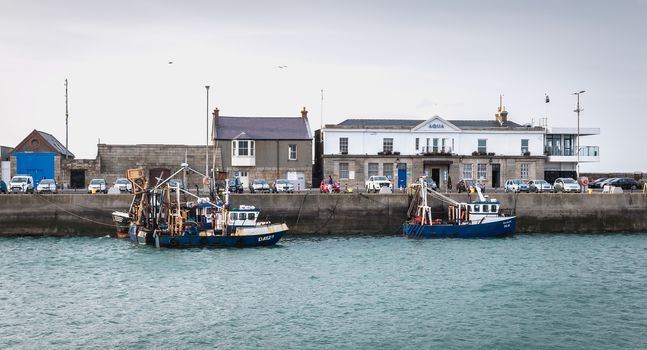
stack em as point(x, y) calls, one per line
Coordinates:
point(488, 150)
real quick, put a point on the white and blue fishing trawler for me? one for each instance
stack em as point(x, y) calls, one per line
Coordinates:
point(479, 219)
point(159, 217)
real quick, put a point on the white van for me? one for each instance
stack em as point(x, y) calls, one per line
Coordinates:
point(21, 184)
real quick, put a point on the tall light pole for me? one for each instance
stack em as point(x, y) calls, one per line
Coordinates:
point(577, 147)
point(206, 161)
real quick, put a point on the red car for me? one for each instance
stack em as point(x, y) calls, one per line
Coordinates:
point(325, 187)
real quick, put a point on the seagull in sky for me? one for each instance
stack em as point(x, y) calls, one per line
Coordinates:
point(281, 67)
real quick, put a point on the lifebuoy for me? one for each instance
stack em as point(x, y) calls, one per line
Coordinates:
point(585, 181)
point(206, 180)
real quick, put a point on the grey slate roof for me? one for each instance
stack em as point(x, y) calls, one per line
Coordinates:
point(263, 128)
point(411, 123)
point(59, 147)
point(380, 123)
point(482, 124)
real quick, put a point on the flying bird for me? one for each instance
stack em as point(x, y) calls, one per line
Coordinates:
point(170, 62)
point(281, 67)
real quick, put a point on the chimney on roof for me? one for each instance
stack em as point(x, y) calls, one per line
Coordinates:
point(216, 116)
point(304, 114)
point(501, 115)
point(215, 123)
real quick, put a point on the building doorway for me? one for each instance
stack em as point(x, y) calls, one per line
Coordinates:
point(77, 178)
point(496, 175)
point(435, 175)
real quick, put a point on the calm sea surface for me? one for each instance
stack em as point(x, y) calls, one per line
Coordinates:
point(528, 292)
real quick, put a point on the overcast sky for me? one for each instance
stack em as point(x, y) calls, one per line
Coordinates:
point(373, 59)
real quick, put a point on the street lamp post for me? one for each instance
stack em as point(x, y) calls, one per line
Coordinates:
point(206, 162)
point(577, 147)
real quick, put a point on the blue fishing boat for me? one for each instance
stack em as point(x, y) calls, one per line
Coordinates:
point(159, 217)
point(475, 219)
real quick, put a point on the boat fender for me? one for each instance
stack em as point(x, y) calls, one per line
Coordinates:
point(463, 214)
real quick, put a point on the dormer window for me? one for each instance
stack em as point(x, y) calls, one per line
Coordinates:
point(242, 148)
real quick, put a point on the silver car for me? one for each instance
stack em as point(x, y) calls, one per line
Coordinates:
point(566, 184)
point(540, 185)
point(283, 185)
point(47, 186)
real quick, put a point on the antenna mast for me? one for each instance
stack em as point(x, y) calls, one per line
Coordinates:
point(66, 116)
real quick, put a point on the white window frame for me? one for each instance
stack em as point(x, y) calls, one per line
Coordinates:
point(467, 171)
point(292, 151)
point(525, 148)
point(387, 144)
point(481, 171)
point(235, 148)
point(344, 172)
point(343, 145)
point(478, 145)
point(525, 170)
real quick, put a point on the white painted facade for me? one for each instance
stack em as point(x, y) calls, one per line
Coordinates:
point(432, 135)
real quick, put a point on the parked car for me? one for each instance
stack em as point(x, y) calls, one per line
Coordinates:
point(469, 185)
point(21, 184)
point(606, 182)
point(431, 183)
point(176, 183)
point(97, 185)
point(327, 187)
point(47, 186)
point(626, 183)
point(566, 184)
point(3, 187)
point(375, 183)
point(235, 187)
point(596, 183)
point(259, 185)
point(516, 186)
point(123, 185)
point(540, 185)
point(282, 185)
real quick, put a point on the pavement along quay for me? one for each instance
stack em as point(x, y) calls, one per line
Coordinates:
point(323, 214)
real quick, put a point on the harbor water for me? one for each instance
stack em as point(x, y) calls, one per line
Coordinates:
point(541, 291)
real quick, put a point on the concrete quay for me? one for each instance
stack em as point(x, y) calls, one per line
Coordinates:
point(322, 214)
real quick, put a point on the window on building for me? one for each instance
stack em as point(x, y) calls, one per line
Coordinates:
point(481, 171)
point(435, 150)
point(242, 148)
point(482, 146)
point(524, 146)
point(444, 146)
point(373, 169)
point(524, 170)
point(343, 145)
point(387, 170)
point(292, 152)
point(417, 143)
point(388, 145)
point(467, 171)
point(427, 146)
point(343, 170)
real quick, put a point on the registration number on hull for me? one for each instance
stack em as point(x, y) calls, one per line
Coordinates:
point(265, 238)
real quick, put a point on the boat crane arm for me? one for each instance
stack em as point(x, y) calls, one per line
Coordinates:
point(478, 190)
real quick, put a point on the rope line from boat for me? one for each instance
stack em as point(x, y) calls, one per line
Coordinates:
point(300, 207)
point(332, 213)
point(40, 196)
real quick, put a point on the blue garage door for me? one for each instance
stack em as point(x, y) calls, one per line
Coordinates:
point(38, 165)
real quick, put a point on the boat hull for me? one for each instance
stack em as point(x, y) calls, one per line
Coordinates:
point(122, 223)
point(266, 238)
point(504, 227)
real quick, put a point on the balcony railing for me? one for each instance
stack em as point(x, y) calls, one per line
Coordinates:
point(585, 151)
